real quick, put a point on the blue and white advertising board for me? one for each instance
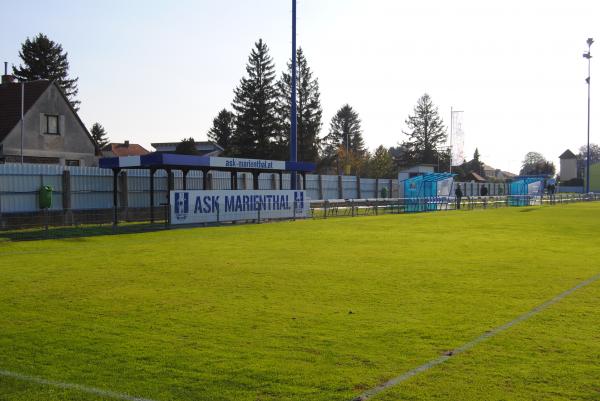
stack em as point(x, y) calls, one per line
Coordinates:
point(194, 207)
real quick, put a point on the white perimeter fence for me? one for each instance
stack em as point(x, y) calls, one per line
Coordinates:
point(90, 188)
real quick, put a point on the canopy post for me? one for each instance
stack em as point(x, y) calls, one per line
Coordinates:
point(152, 171)
point(115, 196)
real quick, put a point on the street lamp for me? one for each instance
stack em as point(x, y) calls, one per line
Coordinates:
point(588, 55)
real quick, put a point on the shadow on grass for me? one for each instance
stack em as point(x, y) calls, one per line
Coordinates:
point(79, 233)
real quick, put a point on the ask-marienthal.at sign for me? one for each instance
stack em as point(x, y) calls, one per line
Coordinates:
point(193, 207)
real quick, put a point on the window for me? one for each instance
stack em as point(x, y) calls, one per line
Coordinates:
point(72, 162)
point(52, 125)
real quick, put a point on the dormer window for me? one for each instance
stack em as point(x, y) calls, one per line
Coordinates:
point(52, 125)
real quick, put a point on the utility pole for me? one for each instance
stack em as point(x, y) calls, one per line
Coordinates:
point(22, 112)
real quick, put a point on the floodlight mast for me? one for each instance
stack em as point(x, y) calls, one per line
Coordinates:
point(588, 55)
point(294, 110)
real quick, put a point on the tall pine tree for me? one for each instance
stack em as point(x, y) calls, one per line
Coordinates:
point(99, 135)
point(222, 131)
point(309, 111)
point(254, 104)
point(476, 163)
point(344, 145)
point(426, 132)
point(45, 59)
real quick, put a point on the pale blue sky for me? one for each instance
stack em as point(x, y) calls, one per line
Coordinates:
point(160, 71)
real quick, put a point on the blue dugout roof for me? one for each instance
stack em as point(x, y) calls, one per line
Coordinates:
point(170, 161)
point(431, 177)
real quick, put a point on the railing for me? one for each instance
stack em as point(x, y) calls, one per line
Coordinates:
point(58, 224)
point(365, 207)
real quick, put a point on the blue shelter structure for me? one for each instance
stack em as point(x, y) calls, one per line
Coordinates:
point(427, 192)
point(524, 189)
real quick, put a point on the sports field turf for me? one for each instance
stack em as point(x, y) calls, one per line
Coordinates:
point(310, 310)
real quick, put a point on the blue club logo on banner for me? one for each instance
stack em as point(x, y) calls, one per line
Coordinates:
point(299, 199)
point(182, 205)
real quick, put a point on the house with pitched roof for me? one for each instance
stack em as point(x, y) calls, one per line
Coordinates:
point(126, 148)
point(51, 131)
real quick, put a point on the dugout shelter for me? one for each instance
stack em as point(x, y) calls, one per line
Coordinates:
point(525, 189)
point(170, 162)
point(427, 192)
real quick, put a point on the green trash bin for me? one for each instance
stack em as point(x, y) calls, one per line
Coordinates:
point(45, 197)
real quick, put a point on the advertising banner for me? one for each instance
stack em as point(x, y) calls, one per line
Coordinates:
point(194, 207)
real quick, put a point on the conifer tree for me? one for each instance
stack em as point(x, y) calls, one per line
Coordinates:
point(381, 164)
point(344, 144)
point(99, 135)
point(309, 110)
point(255, 107)
point(476, 163)
point(426, 131)
point(45, 59)
point(222, 131)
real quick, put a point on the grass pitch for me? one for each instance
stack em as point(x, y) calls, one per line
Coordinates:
point(309, 310)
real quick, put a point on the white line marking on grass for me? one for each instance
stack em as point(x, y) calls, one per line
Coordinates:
point(71, 386)
point(465, 347)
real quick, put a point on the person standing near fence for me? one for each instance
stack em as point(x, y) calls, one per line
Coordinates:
point(458, 194)
point(551, 190)
point(484, 193)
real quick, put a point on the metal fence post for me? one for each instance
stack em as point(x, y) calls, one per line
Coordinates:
point(321, 187)
point(115, 197)
point(66, 197)
point(124, 194)
point(294, 202)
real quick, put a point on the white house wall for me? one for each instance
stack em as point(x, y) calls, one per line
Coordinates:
point(73, 142)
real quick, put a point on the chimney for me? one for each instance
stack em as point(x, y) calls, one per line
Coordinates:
point(126, 144)
point(7, 79)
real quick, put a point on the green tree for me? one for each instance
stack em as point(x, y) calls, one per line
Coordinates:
point(476, 164)
point(344, 143)
point(594, 153)
point(381, 164)
point(535, 163)
point(254, 104)
point(309, 110)
point(426, 131)
point(222, 130)
point(45, 59)
point(99, 135)
point(187, 146)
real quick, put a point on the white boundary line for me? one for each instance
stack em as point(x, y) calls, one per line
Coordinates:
point(364, 396)
point(71, 386)
point(467, 346)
